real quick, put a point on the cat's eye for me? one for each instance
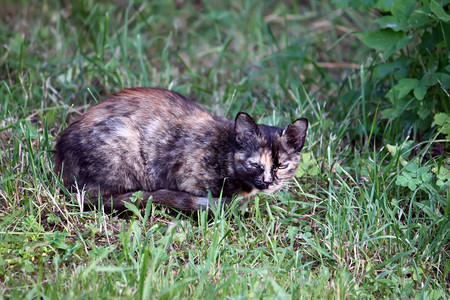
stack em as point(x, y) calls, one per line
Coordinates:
point(255, 165)
point(282, 166)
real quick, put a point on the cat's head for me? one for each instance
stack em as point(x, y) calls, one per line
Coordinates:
point(265, 156)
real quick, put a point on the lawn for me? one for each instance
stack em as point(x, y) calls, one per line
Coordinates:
point(367, 215)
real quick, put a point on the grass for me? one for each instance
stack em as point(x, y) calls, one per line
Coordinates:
point(351, 225)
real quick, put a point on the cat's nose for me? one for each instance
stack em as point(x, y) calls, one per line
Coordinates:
point(267, 183)
point(267, 178)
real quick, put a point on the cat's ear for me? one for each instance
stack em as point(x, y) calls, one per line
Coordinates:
point(245, 127)
point(295, 133)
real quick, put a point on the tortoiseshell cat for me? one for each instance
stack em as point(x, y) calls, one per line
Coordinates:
point(158, 142)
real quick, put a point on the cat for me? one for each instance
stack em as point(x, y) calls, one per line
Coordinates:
point(170, 148)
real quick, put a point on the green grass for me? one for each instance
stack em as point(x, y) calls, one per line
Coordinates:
point(352, 225)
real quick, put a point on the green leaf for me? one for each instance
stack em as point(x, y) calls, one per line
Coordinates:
point(420, 92)
point(426, 177)
point(391, 22)
point(443, 79)
point(439, 11)
point(307, 165)
point(136, 196)
point(416, 181)
point(441, 171)
point(429, 80)
point(412, 186)
point(441, 118)
point(390, 113)
point(403, 42)
point(133, 208)
point(385, 40)
point(412, 167)
point(423, 113)
point(402, 88)
point(405, 86)
point(300, 172)
point(401, 180)
point(398, 67)
point(384, 4)
point(392, 149)
point(314, 171)
point(419, 19)
point(407, 176)
point(306, 157)
point(402, 9)
point(422, 170)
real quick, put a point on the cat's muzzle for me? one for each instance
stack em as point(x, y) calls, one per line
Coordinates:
point(262, 185)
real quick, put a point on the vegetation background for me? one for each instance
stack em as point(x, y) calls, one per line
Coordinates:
point(367, 215)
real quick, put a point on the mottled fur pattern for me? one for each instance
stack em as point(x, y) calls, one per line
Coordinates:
point(159, 142)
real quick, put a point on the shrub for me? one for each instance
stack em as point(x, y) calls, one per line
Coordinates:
point(412, 64)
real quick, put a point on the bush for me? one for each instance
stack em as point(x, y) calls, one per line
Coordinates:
point(412, 65)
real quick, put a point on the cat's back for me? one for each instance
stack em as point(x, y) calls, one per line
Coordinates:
point(140, 104)
point(129, 112)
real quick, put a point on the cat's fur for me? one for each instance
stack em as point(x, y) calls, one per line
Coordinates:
point(158, 142)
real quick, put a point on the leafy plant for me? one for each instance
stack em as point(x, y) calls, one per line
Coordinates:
point(414, 176)
point(308, 165)
point(413, 64)
point(430, 177)
point(442, 174)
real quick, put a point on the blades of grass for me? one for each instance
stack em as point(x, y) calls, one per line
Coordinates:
point(165, 77)
point(148, 208)
point(390, 260)
point(362, 75)
point(141, 61)
point(144, 288)
point(104, 35)
point(124, 40)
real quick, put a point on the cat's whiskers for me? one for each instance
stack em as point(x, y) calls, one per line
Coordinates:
point(286, 185)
